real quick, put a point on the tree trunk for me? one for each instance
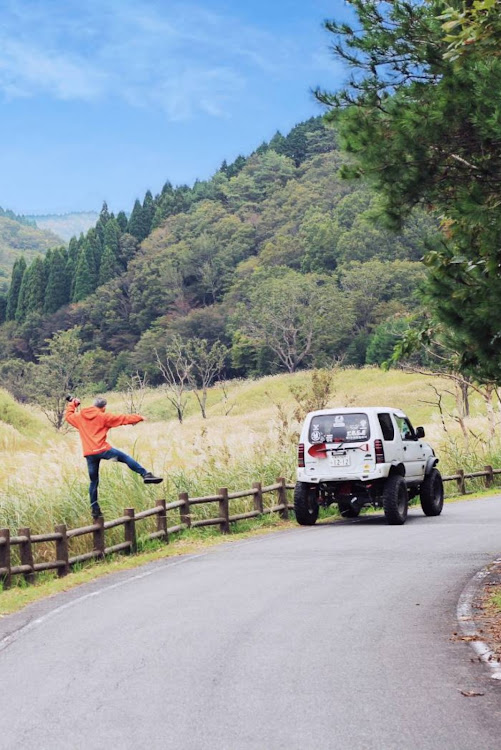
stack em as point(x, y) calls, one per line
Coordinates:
point(490, 410)
point(465, 396)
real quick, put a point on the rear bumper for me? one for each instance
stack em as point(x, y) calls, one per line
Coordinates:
point(315, 477)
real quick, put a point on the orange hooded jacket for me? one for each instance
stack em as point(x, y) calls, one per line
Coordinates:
point(93, 424)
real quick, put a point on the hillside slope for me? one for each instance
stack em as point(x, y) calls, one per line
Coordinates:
point(275, 233)
point(68, 225)
point(21, 239)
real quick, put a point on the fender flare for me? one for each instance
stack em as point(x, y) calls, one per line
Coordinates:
point(397, 469)
point(430, 464)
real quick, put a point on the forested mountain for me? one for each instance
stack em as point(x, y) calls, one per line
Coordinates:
point(275, 257)
point(68, 225)
point(20, 237)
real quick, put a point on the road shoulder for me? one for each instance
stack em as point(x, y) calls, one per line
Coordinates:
point(479, 616)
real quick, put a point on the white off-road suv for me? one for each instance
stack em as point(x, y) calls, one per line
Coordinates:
point(365, 456)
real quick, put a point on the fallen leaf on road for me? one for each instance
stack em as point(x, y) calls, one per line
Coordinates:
point(467, 638)
point(470, 693)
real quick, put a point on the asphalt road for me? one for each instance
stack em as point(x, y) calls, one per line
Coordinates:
point(336, 636)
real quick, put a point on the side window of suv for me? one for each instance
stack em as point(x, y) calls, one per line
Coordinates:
point(386, 426)
point(405, 428)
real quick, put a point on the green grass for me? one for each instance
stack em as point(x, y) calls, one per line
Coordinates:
point(22, 419)
point(495, 601)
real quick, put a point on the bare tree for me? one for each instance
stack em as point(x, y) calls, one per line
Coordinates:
point(133, 389)
point(316, 394)
point(228, 405)
point(207, 363)
point(175, 367)
point(462, 387)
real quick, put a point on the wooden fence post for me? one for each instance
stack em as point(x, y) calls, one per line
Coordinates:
point(184, 510)
point(224, 511)
point(489, 479)
point(62, 550)
point(5, 558)
point(461, 482)
point(258, 496)
point(282, 498)
point(26, 554)
point(162, 520)
point(98, 536)
point(130, 529)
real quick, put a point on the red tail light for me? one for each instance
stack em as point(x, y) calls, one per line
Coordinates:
point(379, 451)
point(300, 455)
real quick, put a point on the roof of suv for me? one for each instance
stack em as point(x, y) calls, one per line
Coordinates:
point(357, 410)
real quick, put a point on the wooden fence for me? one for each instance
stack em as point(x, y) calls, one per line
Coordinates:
point(62, 536)
point(460, 476)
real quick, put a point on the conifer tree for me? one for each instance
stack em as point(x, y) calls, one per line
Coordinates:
point(15, 286)
point(278, 142)
point(57, 292)
point(104, 218)
point(136, 223)
point(34, 294)
point(85, 275)
point(3, 306)
point(22, 300)
point(96, 244)
point(109, 265)
point(104, 215)
point(149, 207)
point(427, 131)
point(112, 235)
point(122, 221)
point(237, 166)
point(32, 291)
point(71, 264)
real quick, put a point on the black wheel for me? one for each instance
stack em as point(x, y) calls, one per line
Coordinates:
point(395, 500)
point(347, 510)
point(432, 494)
point(306, 503)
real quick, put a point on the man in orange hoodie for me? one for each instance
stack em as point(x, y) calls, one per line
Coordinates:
point(93, 424)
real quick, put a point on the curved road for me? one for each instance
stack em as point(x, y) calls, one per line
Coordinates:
point(336, 636)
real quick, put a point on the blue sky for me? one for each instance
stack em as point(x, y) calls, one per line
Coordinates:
point(103, 99)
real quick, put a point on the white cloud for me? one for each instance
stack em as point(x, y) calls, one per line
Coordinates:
point(180, 58)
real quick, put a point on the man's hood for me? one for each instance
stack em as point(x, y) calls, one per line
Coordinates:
point(91, 412)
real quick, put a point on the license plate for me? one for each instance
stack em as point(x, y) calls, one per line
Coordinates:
point(340, 460)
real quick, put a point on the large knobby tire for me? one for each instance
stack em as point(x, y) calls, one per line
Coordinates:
point(347, 510)
point(306, 503)
point(432, 493)
point(395, 500)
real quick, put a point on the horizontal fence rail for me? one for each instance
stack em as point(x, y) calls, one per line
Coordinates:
point(24, 542)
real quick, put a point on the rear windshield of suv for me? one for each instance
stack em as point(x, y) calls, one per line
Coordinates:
point(335, 428)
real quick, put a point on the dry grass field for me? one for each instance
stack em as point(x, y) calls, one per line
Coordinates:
point(249, 435)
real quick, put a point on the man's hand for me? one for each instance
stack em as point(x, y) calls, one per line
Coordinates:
point(76, 402)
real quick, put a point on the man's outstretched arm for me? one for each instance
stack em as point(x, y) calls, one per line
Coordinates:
point(115, 420)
